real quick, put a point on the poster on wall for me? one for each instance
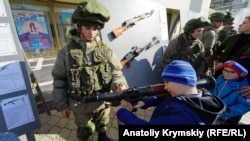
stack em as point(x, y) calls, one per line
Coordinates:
point(67, 24)
point(17, 111)
point(7, 43)
point(32, 29)
point(11, 77)
point(2, 10)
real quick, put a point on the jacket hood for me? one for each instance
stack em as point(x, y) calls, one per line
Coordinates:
point(208, 107)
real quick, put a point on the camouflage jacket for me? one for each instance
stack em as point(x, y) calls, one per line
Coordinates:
point(182, 48)
point(223, 33)
point(63, 67)
point(209, 38)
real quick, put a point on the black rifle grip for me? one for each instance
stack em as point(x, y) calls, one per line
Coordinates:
point(115, 102)
point(133, 103)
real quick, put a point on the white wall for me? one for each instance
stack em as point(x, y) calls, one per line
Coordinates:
point(146, 69)
point(174, 4)
point(201, 6)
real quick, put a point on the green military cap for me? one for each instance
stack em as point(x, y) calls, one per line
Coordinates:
point(217, 16)
point(91, 12)
point(195, 23)
point(229, 18)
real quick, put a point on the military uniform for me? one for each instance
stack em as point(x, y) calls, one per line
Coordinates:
point(84, 68)
point(185, 48)
point(210, 36)
point(224, 33)
point(181, 48)
point(228, 28)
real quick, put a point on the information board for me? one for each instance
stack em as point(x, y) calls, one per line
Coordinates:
point(18, 110)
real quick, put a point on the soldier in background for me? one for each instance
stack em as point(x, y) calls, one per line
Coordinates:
point(227, 29)
point(209, 36)
point(84, 67)
point(234, 46)
point(188, 47)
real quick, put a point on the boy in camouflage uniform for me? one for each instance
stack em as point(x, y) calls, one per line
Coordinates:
point(210, 36)
point(84, 67)
point(188, 47)
point(227, 29)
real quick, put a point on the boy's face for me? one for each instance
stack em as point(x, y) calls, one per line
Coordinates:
point(245, 26)
point(175, 89)
point(89, 32)
point(197, 33)
point(229, 74)
point(217, 24)
point(227, 26)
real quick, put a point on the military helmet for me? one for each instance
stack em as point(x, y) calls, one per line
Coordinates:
point(217, 16)
point(229, 18)
point(91, 12)
point(195, 23)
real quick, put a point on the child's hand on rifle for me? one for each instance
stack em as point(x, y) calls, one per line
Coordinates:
point(114, 109)
point(133, 107)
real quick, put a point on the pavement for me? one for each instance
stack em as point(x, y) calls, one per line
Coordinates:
point(56, 128)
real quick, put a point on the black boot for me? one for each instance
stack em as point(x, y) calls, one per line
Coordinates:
point(103, 137)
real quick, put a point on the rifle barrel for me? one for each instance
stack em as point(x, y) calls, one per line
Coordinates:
point(138, 92)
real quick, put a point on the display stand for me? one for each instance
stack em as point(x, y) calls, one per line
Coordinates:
point(18, 109)
point(35, 84)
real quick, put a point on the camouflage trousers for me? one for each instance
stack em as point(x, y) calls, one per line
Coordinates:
point(90, 117)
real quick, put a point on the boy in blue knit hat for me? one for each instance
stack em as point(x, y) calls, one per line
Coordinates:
point(227, 88)
point(184, 104)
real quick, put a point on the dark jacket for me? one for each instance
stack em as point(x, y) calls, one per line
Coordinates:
point(232, 47)
point(194, 109)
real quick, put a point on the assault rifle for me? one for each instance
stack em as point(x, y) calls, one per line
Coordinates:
point(129, 23)
point(135, 51)
point(134, 94)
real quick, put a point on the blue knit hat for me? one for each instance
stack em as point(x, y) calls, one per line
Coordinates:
point(179, 71)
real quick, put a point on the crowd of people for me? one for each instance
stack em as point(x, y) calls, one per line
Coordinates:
point(87, 66)
point(199, 46)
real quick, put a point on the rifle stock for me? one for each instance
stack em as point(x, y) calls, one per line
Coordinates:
point(118, 31)
point(125, 62)
point(129, 23)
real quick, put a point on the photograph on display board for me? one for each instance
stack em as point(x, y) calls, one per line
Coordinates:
point(67, 24)
point(32, 29)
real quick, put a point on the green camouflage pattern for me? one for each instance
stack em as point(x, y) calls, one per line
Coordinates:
point(91, 12)
point(217, 16)
point(222, 34)
point(86, 114)
point(192, 51)
point(193, 24)
point(209, 38)
point(228, 18)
